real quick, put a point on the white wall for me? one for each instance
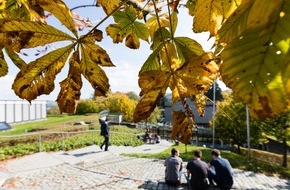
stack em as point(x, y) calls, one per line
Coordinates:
point(21, 111)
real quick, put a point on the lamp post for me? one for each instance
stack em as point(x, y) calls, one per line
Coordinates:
point(213, 113)
point(248, 132)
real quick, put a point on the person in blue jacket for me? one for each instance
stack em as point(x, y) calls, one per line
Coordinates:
point(220, 171)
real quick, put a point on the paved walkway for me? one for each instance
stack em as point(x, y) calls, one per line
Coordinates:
point(90, 168)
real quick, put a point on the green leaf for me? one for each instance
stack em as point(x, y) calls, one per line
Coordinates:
point(27, 34)
point(190, 4)
point(174, 21)
point(140, 30)
point(127, 16)
point(152, 63)
point(257, 80)
point(127, 27)
point(94, 74)
point(16, 59)
point(59, 9)
point(38, 77)
point(188, 48)
point(160, 36)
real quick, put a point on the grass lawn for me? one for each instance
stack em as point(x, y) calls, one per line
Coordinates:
point(236, 160)
point(50, 123)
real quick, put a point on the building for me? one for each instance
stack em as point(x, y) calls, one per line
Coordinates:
point(17, 111)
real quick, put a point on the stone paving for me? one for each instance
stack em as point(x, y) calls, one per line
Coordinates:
point(90, 168)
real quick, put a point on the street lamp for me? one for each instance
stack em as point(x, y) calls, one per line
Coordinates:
point(213, 113)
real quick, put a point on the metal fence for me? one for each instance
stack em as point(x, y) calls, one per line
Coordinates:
point(40, 137)
point(17, 111)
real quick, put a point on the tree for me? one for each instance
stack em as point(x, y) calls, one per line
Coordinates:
point(87, 106)
point(133, 96)
point(218, 92)
point(230, 122)
point(117, 103)
point(121, 103)
point(251, 51)
point(279, 128)
point(155, 116)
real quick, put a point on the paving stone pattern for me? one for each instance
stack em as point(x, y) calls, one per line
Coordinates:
point(90, 168)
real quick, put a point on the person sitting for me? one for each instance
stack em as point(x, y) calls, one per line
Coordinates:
point(220, 171)
point(197, 172)
point(173, 168)
point(156, 138)
point(147, 136)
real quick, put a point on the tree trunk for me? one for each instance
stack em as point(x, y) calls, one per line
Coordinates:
point(284, 164)
point(239, 149)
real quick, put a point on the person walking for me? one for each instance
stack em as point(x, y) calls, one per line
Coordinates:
point(104, 133)
point(220, 171)
point(173, 169)
point(197, 171)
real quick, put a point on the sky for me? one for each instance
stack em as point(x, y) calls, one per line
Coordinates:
point(123, 77)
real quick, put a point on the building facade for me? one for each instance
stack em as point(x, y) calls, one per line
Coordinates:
point(17, 111)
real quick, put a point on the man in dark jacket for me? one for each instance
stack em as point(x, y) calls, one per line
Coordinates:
point(104, 133)
point(220, 171)
point(197, 172)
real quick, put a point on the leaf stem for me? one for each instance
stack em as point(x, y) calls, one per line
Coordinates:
point(103, 20)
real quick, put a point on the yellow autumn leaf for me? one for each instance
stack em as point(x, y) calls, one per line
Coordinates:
point(260, 12)
point(153, 80)
point(200, 103)
point(181, 127)
point(210, 14)
point(38, 77)
point(29, 34)
point(195, 76)
point(147, 104)
point(153, 26)
point(59, 9)
point(108, 6)
point(3, 65)
point(132, 41)
point(94, 74)
point(170, 58)
point(70, 88)
point(97, 54)
point(286, 76)
point(3, 4)
point(116, 33)
point(16, 59)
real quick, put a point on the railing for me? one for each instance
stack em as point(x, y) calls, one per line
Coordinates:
point(40, 136)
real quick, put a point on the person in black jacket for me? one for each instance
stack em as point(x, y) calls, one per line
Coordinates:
point(197, 171)
point(104, 133)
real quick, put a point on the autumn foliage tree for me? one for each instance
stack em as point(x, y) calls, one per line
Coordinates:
point(251, 52)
